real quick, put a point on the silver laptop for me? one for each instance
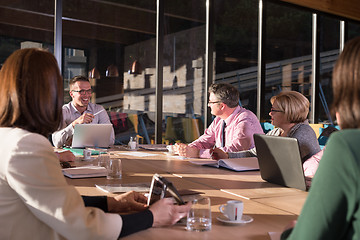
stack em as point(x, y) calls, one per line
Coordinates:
point(91, 135)
point(280, 161)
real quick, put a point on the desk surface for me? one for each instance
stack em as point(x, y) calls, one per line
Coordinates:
point(271, 206)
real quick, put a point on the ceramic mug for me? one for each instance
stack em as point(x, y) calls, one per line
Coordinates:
point(233, 210)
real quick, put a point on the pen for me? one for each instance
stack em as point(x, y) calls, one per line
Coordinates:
point(99, 112)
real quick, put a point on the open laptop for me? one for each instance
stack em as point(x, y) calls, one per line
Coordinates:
point(280, 161)
point(91, 135)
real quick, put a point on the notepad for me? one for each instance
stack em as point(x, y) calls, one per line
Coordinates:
point(235, 164)
point(85, 172)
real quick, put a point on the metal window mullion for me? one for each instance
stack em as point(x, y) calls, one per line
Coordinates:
point(343, 34)
point(315, 76)
point(261, 75)
point(209, 58)
point(159, 70)
point(58, 32)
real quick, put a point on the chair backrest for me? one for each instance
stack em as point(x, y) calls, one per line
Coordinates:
point(266, 126)
point(183, 129)
point(316, 127)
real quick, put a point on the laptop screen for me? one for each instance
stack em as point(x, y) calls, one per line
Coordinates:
point(91, 135)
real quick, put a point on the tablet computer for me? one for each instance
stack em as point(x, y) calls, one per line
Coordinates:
point(159, 187)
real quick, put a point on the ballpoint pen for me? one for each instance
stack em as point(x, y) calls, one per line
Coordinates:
point(99, 112)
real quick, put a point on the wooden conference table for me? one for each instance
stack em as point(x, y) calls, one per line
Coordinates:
point(271, 206)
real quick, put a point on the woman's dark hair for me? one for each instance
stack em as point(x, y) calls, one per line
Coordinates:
point(346, 85)
point(31, 92)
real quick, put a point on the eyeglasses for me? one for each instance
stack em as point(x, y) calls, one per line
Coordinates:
point(83, 92)
point(210, 103)
point(275, 110)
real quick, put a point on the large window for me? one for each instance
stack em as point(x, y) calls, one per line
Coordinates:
point(329, 51)
point(353, 30)
point(236, 47)
point(25, 24)
point(288, 51)
point(112, 42)
point(183, 70)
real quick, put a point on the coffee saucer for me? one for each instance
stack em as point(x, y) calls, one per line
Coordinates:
point(243, 220)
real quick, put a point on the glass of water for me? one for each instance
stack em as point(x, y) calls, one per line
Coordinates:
point(103, 159)
point(199, 216)
point(114, 169)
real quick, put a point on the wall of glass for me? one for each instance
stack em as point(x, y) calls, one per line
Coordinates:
point(24, 24)
point(353, 30)
point(183, 70)
point(236, 47)
point(329, 32)
point(113, 42)
point(288, 51)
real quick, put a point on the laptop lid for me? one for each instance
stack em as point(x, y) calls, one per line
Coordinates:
point(91, 135)
point(280, 161)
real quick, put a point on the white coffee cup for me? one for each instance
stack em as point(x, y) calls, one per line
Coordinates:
point(87, 154)
point(233, 210)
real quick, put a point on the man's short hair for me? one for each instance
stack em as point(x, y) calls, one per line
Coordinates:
point(77, 79)
point(226, 93)
point(293, 104)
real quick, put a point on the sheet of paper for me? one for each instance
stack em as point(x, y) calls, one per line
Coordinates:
point(136, 154)
point(153, 147)
point(204, 162)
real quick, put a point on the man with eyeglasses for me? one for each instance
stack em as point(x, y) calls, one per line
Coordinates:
point(232, 130)
point(79, 111)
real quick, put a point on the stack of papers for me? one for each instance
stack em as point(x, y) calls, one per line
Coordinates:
point(85, 172)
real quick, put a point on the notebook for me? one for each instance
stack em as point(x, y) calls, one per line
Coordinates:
point(91, 135)
point(280, 161)
point(235, 164)
point(85, 172)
